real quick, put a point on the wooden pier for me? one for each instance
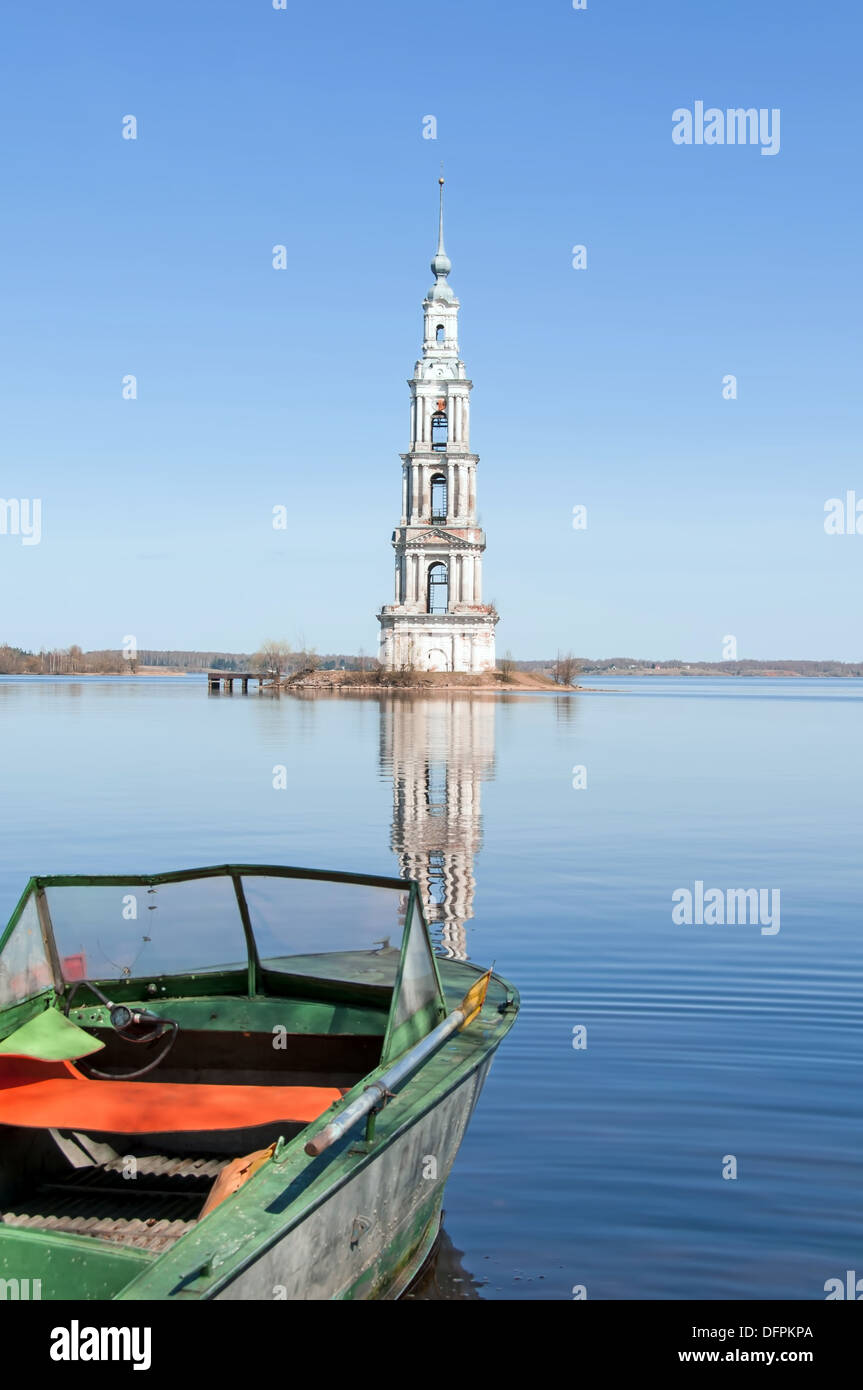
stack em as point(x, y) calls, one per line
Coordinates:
point(219, 681)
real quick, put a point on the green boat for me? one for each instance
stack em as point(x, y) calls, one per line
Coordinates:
point(237, 1082)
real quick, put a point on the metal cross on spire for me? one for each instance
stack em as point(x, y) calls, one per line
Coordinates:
point(441, 265)
point(440, 246)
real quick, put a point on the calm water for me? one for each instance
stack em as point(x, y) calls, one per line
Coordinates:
point(599, 1166)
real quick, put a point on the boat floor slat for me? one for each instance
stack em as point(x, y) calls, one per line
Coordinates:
point(148, 1211)
point(141, 1235)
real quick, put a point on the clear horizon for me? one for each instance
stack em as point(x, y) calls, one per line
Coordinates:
point(259, 388)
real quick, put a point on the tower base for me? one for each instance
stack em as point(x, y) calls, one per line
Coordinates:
point(437, 641)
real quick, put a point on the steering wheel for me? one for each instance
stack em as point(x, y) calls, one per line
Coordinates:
point(124, 1020)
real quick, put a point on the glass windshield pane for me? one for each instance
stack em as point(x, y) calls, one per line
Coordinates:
point(332, 931)
point(419, 985)
point(24, 968)
point(131, 930)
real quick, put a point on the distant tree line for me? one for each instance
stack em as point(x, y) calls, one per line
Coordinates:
point(70, 661)
point(195, 661)
point(59, 661)
point(568, 666)
point(281, 657)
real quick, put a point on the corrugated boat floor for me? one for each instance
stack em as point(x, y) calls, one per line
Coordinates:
point(149, 1212)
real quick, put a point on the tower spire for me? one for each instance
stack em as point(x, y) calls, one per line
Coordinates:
point(440, 245)
point(441, 264)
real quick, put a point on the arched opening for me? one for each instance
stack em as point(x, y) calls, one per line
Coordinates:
point(438, 589)
point(438, 497)
point(439, 333)
point(439, 431)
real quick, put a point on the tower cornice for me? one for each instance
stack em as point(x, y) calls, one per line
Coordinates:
point(432, 381)
point(419, 537)
point(421, 455)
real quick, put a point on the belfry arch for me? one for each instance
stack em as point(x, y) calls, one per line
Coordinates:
point(439, 431)
point(439, 497)
point(438, 587)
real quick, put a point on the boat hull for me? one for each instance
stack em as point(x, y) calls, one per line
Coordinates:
point(370, 1236)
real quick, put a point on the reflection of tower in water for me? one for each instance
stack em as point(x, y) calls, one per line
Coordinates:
point(438, 752)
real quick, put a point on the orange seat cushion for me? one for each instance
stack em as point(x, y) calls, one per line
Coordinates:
point(53, 1095)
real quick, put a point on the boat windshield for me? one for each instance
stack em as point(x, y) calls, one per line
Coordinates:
point(246, 919)
point(107, 929)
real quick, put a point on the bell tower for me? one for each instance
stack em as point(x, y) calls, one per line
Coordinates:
point(438, 621)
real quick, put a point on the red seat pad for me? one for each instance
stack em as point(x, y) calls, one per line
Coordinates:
point(52, 1095)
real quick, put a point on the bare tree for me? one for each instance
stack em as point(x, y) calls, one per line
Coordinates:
point(507, 667)
point(272, 659)
point(565, 668)
point(305, 661)
point(14, 661)
point(409, 663)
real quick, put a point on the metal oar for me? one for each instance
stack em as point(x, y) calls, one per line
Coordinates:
point(379, 1091)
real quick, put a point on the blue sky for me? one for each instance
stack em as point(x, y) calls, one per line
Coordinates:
point(600, 387)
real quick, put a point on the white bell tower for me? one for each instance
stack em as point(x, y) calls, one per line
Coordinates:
point(438, 621)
